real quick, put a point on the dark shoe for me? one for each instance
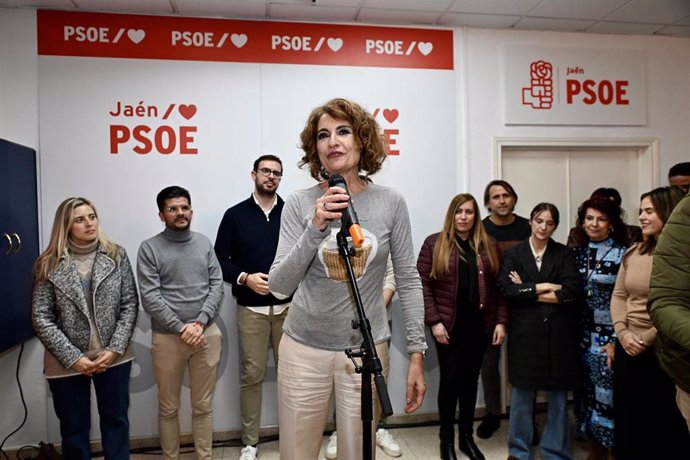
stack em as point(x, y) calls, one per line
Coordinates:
point(535, 434)
point(469, 448)
point(448, 451)
point(579, 432)
point(598, 452)
point(489, 425)
point(512, 457)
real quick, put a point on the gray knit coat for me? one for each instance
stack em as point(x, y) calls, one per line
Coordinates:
point(60, 313)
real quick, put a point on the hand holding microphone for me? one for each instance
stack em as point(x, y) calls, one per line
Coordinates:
point(328, 208)
point(350, 223)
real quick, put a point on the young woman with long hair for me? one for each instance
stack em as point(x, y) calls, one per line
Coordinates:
point(465, 312)
point(648, 423)
point(84, 310)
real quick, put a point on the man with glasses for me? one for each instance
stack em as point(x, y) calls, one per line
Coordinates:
point(181, 287)
point(246, 245)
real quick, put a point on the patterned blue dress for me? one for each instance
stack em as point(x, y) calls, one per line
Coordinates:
point(598, 264)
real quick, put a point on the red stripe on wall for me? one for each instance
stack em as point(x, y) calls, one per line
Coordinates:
point(63, 33)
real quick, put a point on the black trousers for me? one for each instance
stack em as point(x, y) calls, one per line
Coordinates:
point(459, 363)
point(647, 423)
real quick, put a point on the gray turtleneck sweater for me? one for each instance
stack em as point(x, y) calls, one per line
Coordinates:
point(180, 280)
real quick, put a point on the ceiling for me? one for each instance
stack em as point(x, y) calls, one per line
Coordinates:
point(637, 17)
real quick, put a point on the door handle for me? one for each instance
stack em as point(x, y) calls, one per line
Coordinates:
point(7, 248)
point(19, 243)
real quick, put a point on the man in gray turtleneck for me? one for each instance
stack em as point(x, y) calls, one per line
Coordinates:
point(181, 287)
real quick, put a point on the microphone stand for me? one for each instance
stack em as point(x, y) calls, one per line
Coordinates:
point(371, 365)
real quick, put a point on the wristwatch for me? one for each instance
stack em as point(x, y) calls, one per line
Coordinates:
point(243, 278)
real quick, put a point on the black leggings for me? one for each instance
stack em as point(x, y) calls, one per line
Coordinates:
point(459, 363)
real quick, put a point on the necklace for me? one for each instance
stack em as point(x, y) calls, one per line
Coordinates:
point(538, 255)
point(597, 266)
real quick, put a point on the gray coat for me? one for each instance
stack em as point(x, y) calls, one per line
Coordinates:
point(60, 313)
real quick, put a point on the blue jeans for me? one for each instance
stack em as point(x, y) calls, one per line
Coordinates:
point(72, 402)
point(555, 441)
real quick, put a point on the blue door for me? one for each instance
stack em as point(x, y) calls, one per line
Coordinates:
point(18, 241)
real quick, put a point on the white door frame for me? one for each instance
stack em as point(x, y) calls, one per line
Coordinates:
point(647, 147)
point(648, 178)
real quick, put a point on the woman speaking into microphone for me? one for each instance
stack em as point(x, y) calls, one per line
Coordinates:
point(341, 138)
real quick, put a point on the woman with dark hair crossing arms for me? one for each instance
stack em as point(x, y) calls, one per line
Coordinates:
point(465, 312)
point(84, 311)
point(540, 280)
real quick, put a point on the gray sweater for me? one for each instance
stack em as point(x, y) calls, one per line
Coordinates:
point(179, 280)
point(307, 260)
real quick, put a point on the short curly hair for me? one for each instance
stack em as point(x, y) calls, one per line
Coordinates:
point(366, 129)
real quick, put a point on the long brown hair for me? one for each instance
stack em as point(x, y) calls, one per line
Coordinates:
point(59, 238)
point(663, 199)
point(479, 239)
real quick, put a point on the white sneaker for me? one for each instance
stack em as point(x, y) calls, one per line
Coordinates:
point(387, 442)
point(248, 453)
point(332, 447)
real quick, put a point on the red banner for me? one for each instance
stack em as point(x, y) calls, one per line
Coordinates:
point(198, 39)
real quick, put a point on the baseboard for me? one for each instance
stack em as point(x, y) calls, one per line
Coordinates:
point(234, 436)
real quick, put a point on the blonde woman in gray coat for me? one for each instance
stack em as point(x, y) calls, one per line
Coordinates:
point(84, 310)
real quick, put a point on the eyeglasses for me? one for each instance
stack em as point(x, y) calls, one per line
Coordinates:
point(175, 209)
point(267, 172)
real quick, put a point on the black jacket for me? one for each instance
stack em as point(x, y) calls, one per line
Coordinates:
point(542, 337)
point(247, 242)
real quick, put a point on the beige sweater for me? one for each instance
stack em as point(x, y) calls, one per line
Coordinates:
point(629, 300)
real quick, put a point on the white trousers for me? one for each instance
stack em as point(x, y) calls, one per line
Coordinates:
point(306, 378)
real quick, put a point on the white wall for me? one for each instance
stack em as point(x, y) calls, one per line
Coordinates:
point(19, 123)
point(668, 95)
point(18, 78)
point(479, 119)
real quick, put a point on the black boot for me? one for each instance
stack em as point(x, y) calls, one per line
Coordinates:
point(469, 448)
point(489, 425)
point(448, 451)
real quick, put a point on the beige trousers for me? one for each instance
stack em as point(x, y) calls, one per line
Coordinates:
point(255, 331)
point(306, 378)
point(171, 357)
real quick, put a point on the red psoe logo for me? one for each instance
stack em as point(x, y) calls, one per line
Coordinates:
point(150, 135)
point(390, 133)
point(539, 95)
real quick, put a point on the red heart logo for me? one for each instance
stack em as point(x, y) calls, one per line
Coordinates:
point(188, 111)
point(390, 115)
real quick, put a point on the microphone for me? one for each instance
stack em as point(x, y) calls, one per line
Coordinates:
point(349, 220)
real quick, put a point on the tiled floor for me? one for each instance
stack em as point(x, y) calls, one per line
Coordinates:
point(417, 443)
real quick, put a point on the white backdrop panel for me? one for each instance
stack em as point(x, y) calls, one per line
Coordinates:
point(242, 111)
